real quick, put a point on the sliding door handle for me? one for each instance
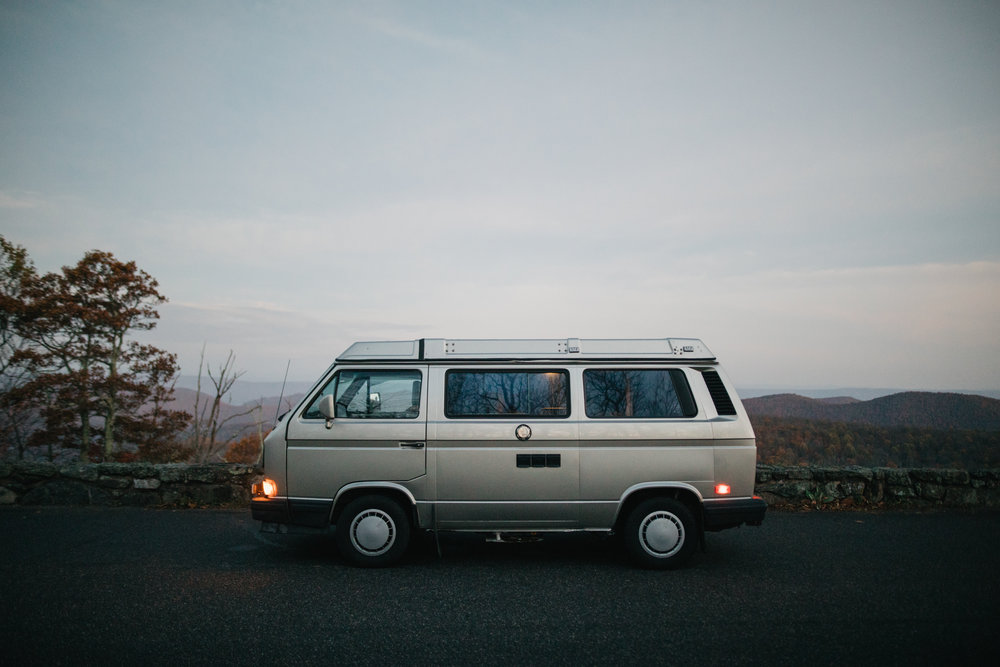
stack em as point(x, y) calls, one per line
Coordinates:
point(412, 444)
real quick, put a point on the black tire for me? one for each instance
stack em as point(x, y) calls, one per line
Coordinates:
point(660, 533)
point(373, 531)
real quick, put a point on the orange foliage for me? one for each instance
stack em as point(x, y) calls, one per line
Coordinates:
point(796, 441)
point(244, 450)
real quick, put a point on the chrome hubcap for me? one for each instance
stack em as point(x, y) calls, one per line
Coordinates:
point(373, 532)
point(661, 534)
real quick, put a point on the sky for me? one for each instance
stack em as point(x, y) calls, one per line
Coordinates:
point(811, 188)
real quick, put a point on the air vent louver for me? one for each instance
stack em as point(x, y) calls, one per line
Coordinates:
point(723, 404)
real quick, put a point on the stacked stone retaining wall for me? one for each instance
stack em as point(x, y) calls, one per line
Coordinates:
point(135, 484)
point(901, 488)
point(228, 485)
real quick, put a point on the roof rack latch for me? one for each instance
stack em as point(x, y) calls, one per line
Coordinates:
point(573, 345)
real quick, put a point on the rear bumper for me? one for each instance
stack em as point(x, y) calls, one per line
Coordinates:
point(730, 513)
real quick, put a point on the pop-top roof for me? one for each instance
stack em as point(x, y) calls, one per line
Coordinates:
point(536, 348)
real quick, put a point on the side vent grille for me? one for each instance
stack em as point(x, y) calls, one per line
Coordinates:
point(723, 404)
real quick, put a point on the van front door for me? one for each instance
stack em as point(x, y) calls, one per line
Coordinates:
point(378, 432)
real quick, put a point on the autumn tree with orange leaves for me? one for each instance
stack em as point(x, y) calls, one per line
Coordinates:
point(17, 416)
point(90, 383)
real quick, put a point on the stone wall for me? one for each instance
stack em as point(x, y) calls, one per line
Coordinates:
point(228, 485)
point(136, 484)
point(902, 488)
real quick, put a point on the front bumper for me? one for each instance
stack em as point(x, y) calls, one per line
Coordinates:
point(733, 512)
point(310, 513)
point(270, 510)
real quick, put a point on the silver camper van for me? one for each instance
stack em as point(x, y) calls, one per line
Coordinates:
point(644, 438)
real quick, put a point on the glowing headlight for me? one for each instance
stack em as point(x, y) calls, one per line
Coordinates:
point(266, 488)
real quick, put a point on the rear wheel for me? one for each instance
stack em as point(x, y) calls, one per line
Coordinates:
point(373, 531)
point(660, 533)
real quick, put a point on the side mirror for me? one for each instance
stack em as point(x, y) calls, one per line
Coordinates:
point(327, 407)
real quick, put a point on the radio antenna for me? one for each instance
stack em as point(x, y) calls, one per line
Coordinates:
point(277, 410)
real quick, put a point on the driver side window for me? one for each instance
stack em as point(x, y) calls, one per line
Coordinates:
point(371, 394)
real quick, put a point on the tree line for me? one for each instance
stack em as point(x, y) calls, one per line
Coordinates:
point(72, 375)
point(797, 441)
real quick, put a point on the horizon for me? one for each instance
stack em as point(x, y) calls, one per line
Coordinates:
point(248, 390)
point(810, 187)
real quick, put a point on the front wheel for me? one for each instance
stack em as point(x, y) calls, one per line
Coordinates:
point(373, 531)
point(660, 533)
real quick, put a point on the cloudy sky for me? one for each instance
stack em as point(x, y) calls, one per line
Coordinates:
point(812, 188)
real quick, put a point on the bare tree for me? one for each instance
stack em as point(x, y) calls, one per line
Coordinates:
point(208, 420)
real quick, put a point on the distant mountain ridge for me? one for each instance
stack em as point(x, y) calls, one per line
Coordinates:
point(858, 393)
point(240, 419)
point(244, 391)
point(937, 410)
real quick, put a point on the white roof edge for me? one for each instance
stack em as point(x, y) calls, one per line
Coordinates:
point(528, 348)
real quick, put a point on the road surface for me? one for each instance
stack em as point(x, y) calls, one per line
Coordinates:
point(179, 587)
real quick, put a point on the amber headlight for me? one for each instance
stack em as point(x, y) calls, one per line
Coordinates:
point(265, 489)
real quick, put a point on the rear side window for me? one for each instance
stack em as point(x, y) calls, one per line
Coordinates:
point(534, 393)
point(371, 394)
point(638, 393)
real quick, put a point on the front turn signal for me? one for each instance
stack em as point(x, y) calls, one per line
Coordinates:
point(266, 488)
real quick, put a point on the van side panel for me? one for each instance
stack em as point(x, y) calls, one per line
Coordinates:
point(736, 465)
point(316, 471)
point(488, 468)
point(609, 467)
point(485, 477)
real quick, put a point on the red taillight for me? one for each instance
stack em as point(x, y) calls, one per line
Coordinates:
point(723, 489)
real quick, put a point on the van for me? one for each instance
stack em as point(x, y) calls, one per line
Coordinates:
point(643, 438)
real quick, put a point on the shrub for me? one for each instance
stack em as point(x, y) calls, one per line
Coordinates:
point(244, 450)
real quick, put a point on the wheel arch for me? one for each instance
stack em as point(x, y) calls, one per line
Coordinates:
point(638, 493)
point(397, 492)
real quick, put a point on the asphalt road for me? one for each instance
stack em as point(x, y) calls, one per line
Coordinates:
point(161, 587)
